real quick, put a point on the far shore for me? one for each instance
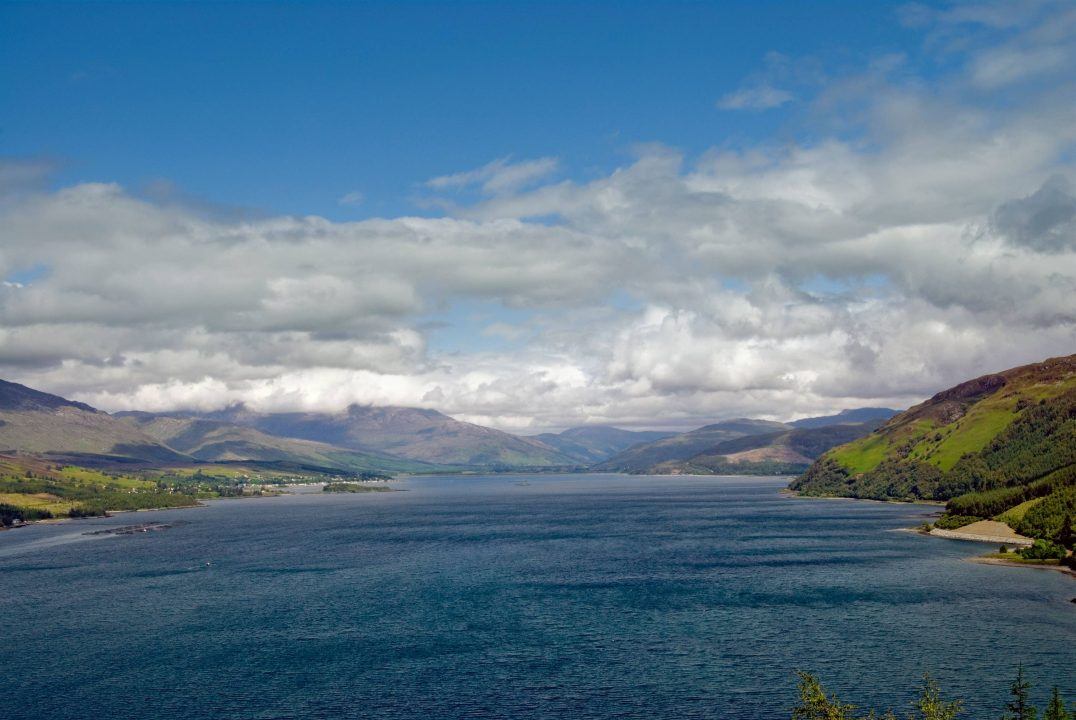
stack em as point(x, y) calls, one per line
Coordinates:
point(278, 491)
point(797, 494)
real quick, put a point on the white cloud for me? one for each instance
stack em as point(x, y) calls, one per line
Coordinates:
point(759, 97)
point(352, 199)
point(499, 176)
point(1009, 65)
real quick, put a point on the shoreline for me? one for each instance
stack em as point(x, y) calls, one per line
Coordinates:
point(112, 513)
point(789, 493)
point(1017, 541)
point(987, 560)
point(952, 535)
point(201, 503)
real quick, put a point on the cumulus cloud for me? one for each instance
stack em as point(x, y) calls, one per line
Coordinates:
point(23, 175)
point(923, 235)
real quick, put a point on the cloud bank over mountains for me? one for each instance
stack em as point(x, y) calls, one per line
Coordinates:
point(921, 229)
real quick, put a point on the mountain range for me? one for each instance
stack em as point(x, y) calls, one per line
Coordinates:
point(402, 439)
point(414, 434)
point(747, 446)
point(594, 443)
point(216, 441)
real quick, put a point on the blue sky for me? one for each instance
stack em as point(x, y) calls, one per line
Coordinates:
point(286, 108)
point(535, 215)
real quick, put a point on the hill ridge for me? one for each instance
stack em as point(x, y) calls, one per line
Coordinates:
point(998, 435)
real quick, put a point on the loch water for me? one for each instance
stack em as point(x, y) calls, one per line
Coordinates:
point(569, 596)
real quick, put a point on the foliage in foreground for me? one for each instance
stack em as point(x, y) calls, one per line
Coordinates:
point(815, 703)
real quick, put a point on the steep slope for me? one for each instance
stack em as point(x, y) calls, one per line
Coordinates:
point(595, 443)
point(39, 423)
point(781, 453)
point(217, 441)
point(996, 430)
point(412, 433)
point(647, 457)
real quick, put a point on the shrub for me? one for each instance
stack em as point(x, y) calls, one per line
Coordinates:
point(1043, 550)
point(11, 514)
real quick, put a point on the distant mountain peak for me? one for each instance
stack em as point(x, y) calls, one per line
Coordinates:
point(14, 396)
point(848, 415)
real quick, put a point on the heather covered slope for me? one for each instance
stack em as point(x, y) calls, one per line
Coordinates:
point(987, 446)
point(413, 433)
point(39, 423)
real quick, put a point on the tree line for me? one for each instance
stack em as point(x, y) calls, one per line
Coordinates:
point(816, 703)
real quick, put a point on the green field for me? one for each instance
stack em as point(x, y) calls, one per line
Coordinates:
point(32, 488)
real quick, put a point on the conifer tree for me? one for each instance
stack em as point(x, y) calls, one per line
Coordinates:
point(930, 706)
point(1020, 707)
point(814, 704)
point(1065, 537)
point(1056, 709)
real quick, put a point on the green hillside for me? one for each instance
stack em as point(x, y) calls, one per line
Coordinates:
point(989, 446)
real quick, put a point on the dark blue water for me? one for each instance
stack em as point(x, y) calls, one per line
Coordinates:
point(570, 597)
